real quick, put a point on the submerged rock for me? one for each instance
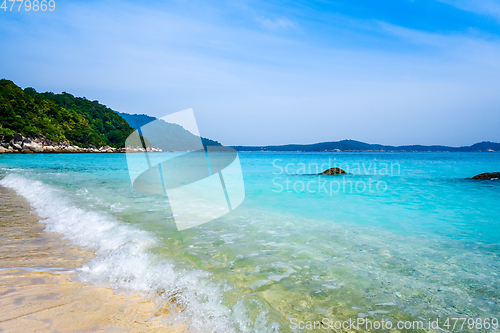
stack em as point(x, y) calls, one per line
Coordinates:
point(488, 176)
point(333, 171)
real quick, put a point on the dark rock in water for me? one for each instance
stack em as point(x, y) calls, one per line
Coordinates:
point(333, 171)
point(488, 176)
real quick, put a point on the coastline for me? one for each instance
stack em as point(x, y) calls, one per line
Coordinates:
point(22, 145)
point(38, 291)
point(28, 149)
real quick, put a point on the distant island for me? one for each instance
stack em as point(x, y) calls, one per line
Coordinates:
point(352, 145)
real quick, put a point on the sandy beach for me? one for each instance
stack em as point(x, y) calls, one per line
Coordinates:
point(38, 292)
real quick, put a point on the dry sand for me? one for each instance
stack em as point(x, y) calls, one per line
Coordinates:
point(37, 293)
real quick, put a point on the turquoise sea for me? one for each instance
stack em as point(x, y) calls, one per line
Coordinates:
point(401, 237)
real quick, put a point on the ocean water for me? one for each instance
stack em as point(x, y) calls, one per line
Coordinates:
point(402, 237)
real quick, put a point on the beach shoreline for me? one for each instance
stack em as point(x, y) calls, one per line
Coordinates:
point(39, 291)
point(24, 145)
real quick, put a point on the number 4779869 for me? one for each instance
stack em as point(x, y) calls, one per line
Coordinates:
point(34, 5)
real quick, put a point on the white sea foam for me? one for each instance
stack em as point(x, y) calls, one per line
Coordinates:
point(123, 262)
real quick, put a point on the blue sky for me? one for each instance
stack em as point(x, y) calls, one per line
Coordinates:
point(263, 72)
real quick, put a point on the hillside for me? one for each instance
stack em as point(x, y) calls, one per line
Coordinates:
point(352, 145)
point(59, 118)
point(166, 136)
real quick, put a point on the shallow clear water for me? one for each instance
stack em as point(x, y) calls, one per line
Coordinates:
point(402, 236)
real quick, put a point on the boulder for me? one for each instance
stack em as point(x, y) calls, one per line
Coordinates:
point(488, 176)
point(333, 171)
point(32, 147)
point(48, 149)
point(16, 145)
point(18, 137)
point(44, 141)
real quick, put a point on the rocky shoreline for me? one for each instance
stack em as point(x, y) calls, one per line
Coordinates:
point(21, 144)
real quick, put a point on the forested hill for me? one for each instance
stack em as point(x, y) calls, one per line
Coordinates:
point(59, 117)
point(166, 136)
point(352, 145)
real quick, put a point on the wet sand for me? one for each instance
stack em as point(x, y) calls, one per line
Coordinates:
point(37, 289)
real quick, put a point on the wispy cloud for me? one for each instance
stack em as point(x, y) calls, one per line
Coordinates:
point(452, 46)
point(276, 24)
point(448, 42)
point(483, 7)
